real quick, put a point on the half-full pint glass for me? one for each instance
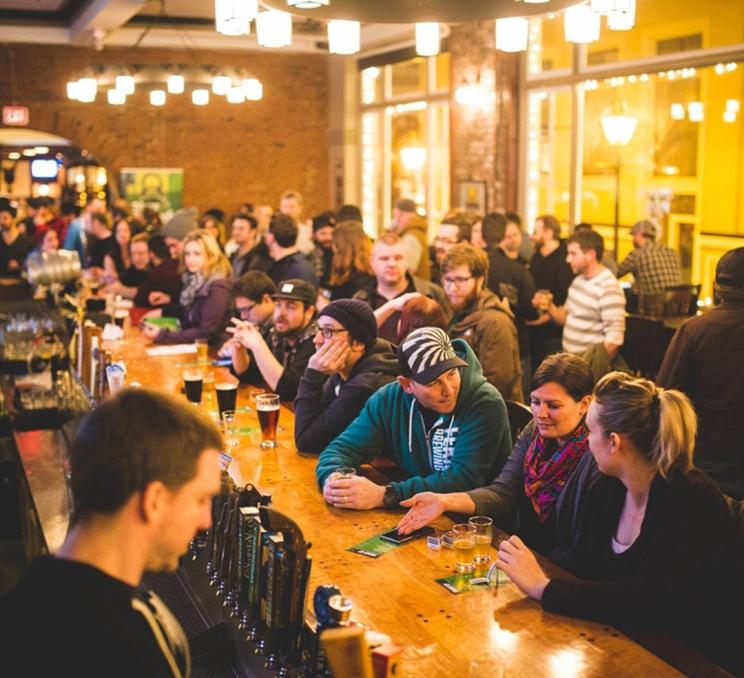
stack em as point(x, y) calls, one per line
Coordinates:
point(267, 406)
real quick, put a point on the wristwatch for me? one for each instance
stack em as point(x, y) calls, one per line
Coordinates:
point(390, 499)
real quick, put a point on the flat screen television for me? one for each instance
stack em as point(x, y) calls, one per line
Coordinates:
point(44, 169)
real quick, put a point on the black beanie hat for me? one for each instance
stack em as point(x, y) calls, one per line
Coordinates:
point(356, 316)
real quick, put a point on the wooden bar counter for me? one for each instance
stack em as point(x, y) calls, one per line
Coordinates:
point(396, 593)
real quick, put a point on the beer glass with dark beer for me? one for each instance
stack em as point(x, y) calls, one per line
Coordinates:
point(267, 406)
point(193, 380)
point(227, 395)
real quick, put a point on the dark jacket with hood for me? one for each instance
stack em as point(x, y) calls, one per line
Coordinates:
point(458, 452)
point(324, 407)
point(488, 326)
point(205, 317)
point(505, 500)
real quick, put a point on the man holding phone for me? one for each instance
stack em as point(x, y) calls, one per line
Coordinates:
point(441, 422)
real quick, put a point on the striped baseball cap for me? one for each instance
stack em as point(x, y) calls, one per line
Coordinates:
point(426, 353)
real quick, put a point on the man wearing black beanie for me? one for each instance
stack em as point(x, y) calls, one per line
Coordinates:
point(350, 363)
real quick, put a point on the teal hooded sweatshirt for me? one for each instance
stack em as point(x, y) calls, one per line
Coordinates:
point(461, 451)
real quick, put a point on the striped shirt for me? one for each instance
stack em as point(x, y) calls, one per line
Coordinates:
point(595, 312)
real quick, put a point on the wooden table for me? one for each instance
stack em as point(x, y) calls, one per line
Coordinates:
point(396, 593)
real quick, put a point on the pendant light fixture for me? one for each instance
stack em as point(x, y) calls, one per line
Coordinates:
point(274, 29)
point(427, 38)
point(344, 37)
point(581, 24)
point(511, 34)
point(308, 4)
point(233, 17)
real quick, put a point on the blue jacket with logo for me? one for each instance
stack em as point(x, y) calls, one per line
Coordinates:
point(461, 451)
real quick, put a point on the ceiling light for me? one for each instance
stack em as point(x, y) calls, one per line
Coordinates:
point(581, 25)
point(15, 155)
point(29, 153)
point(511, 34)
point(233, 17)
point(41, 150)
point(157, 97)
point(200, 97)
point(413, 158)
point(274, 29)
point(73, 90)
point(677, 112)
point(308, 4)
point(732, 105)
point(695, 111)
point(253, 89)
point(125, 84)
point(221, 84)
point(344, 37)
point(622, 19)
point(87, 90)
point(116, 97)
point(235, 95)
point(427, 38)
point(619, 129)
point(606, 7)
point(729, 116)
point(176, 84)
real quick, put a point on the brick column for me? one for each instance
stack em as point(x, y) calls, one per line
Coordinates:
point(484, 140)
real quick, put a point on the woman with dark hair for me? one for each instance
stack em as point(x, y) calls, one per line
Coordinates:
point(539, 489)
point(659, 547)
point(350, 266)
point(118, 259)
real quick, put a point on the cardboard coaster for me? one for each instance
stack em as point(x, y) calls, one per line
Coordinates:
point(374, 547)
point(465, 583)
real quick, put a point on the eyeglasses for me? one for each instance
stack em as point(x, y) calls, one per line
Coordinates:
point(328, 332)
point(243, 311)
point(457, 282)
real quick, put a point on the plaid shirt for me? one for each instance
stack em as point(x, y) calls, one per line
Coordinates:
point(654, 267)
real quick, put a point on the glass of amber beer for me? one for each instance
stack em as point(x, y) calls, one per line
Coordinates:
point(267, 406)
point(483, 535)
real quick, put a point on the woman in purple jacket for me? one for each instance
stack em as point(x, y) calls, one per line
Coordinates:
point(205, 294)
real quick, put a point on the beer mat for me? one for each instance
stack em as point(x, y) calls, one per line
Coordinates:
point(247, 430)
point(167, 323)
point(197, 363)
point(171, 349)
point(374, 547)
point(463, 583)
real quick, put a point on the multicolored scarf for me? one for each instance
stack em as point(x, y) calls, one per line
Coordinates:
point(545, 476)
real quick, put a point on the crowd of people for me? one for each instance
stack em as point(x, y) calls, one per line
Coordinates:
point(392, 347)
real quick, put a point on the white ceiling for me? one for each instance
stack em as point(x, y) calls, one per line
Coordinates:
point(29, 137)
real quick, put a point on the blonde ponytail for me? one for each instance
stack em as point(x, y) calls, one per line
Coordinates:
point(660, 423)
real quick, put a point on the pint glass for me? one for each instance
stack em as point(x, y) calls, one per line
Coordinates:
point(267, 406)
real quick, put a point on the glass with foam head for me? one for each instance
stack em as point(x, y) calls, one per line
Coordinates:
point(267, 406)
point(463, 542)
point(483, 535)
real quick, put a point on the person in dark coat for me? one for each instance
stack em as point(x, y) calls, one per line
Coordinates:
point(659, 547)
point(163, 282)
point(289, 262)
point(350, 363)
point(204, 301)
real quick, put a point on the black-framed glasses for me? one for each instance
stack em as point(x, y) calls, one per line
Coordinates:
point(243, 311)
point(328, 332)
point(457, 282)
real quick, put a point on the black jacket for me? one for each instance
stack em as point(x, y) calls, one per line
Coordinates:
point(325, 407)
point(295, 265)
point(682, 575)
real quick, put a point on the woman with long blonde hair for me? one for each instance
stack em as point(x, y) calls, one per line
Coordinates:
point(351, 269)
point(659, 548)
point(205, 293)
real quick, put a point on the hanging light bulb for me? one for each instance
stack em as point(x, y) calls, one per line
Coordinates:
point(413, 158)
point(221, 84)
point(157, 97)
point(200, 97)
point(125, 84)
point(87, 90)
point(344, 37)
point(677, 111)
point(176, 84)
point(619, 128)
point(580, 24)
point(233, 17)
point(308, 4)
point(115, 97)
point(73, 90)
point(511, 34)
point(622, 19)
point(427, 38)
point(235, 95)
point(253, 89)
point(695, 111)
point(274, 29)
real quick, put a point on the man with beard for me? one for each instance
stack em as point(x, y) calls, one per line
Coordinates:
point(323, 225)
point(482, 319)
point(393, 281)
point(450, 232)
point(441, 423)
point(280, 358)
point(144, 468)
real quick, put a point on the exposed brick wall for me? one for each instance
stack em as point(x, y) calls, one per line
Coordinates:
point(485, 143)
point(230, 153)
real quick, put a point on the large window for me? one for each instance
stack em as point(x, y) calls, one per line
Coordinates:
point(680, 75)
point(405, 138)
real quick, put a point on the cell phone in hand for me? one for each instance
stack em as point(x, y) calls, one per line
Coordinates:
point(393, 537)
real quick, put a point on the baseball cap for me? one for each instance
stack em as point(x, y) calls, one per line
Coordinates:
point(406, 205)
point(645, 227)
point(297, 289)
point(428, 353)
point(730, 268)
